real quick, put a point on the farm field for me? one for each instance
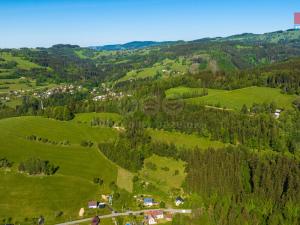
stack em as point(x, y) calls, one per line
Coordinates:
point(235, 99)
point(184, 140)
point(68, 189)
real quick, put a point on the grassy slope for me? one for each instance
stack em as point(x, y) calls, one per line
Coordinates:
point(177, 138)
point(124, 179)
point(167, 64)
point(22, 63)
point(164, 180)
point(183, 140)
point(236, 98)
point(179, 92)
point(71, 187)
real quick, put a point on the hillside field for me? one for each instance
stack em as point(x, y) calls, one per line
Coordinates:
point(186, 92)
point(184, 140)
point(235, 99)
point(68, 189)
point(163, 174)
point(165, 68)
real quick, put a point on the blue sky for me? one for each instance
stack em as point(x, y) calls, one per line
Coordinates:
point(32, 23)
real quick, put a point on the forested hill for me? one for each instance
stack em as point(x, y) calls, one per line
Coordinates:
point(144, 60)
point(273, 37)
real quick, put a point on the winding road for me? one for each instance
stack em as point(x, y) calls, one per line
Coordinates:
point(174, 211)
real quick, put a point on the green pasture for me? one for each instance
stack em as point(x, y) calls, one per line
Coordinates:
point(235, 99)
point(71, 187)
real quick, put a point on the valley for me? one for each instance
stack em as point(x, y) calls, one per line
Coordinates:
point(147, 130)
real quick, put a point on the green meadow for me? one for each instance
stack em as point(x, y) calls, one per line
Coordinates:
point(166, 173)
point(235, 99)
point(67, 190)
point(182, 92)
point(71, 187)
point(184, 140)
point(21, 62)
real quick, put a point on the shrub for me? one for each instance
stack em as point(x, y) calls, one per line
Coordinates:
point(165, 168)
point(98, 180)
point(4, 163)
point(151, 166)
point(162, 204)
point(86, 143)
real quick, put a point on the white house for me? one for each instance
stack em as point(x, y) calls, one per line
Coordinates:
point(151, 220)
point(277, 113)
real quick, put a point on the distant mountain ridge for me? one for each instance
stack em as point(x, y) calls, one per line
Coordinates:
point(276, 37)
point(133, 45)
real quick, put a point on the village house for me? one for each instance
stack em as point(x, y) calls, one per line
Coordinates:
point(169, 217)
point(277, 113)
point(179, 201)
point(151, 220)
point(153, 216)
point(156, 214)
point(148, 202)
point(101, 205)
point(92, 204)
point(99, 98)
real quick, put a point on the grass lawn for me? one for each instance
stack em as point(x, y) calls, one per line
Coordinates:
point(235, 99)
point(71, 187)
point(184, 140)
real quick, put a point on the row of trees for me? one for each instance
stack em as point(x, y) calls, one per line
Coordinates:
point(59, 113)
point(36, 166)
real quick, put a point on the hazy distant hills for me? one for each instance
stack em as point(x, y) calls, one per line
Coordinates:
point(273, 37)
point(133, 45)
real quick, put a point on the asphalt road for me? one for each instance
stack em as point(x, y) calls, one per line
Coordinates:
point(127, 214)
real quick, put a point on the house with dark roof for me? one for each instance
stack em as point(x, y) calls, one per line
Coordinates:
point(179, 201)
